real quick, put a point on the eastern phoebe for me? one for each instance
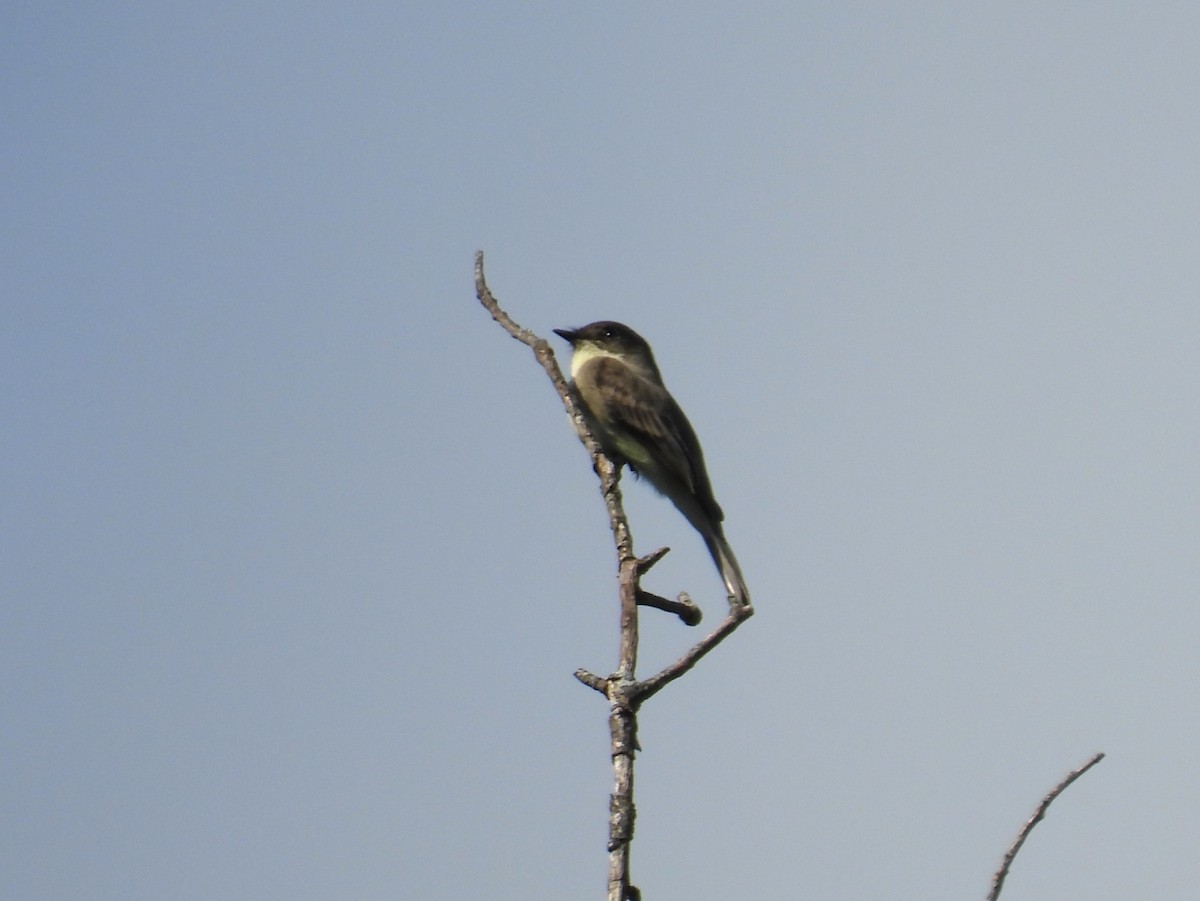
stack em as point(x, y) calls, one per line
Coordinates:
point(637, 422)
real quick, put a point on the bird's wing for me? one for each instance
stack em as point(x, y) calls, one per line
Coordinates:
point(649, 412)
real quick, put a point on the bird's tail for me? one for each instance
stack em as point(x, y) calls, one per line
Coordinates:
point(731, 573)
point(707, 521)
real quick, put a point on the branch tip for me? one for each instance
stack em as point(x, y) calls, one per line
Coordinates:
point(591, 680)
point(644, 564)
point(1038, 816)
point(684, 608)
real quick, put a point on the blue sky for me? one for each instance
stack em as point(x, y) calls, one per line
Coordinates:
point(299, 552)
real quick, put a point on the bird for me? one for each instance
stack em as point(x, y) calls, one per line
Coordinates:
point(638, 423)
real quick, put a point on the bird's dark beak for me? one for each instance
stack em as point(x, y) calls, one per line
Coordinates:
point(570, 335)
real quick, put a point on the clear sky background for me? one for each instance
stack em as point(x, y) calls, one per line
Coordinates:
point(298, 549)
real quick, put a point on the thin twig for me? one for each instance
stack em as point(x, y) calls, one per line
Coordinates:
point(591, 680)
point(649, 687)
point(1038, 815)
point(683, 606)
point(540, 346)
point(605, 469)
point(645, 563)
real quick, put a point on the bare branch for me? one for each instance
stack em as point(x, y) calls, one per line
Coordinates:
point(1038, 815)
point(541, 347)
point(683, 606)
point(646, 562)
point(591, 680)
point(605, 468)
point(738, 613)
point(622, 712)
